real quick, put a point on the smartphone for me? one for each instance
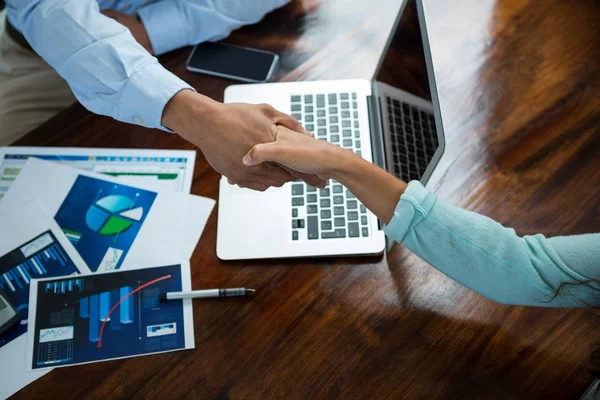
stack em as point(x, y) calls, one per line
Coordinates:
point(233, 62)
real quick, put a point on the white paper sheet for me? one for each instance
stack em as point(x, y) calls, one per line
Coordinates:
point(24, 233)
point(113, 225)
point(160, 169)
point(100, 317)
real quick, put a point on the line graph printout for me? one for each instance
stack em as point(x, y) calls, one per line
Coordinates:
point(32, 246)
point(103, 316)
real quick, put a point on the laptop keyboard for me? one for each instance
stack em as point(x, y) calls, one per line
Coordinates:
point(414, 138)
point(333, 212)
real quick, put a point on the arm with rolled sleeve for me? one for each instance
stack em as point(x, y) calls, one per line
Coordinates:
point(108, 71)
point(172, 24)
point(493, 260)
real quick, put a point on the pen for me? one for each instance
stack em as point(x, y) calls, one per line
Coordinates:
point(207, 294)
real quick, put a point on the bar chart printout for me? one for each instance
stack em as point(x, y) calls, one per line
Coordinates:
point(41, 257)
point(104, 316)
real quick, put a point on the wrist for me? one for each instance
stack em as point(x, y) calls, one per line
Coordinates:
point(343, 163)
point(183, 112)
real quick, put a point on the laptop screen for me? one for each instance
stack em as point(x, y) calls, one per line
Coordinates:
point(407, 103)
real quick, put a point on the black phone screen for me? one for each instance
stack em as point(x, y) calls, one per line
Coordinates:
point(231, 61)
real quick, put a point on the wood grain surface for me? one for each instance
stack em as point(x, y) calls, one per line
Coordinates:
point(519, 84)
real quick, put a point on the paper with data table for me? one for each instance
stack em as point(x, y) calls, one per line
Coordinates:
point(106, 316)
point(32, 246)
point(111, 224)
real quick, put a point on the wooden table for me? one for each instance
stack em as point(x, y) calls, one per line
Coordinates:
point(519, 84)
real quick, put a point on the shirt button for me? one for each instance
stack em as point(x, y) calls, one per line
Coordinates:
point(138, 120)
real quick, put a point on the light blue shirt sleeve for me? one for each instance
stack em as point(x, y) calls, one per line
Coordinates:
point(493, 260)
point(172, 24)
point(108, 71)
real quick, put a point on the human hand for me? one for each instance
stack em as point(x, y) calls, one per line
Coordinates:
point(134, 25)
point(225, 132)
point(300, 153)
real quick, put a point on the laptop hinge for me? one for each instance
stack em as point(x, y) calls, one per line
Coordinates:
point(377, 141)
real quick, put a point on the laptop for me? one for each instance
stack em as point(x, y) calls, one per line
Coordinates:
point(393, 121)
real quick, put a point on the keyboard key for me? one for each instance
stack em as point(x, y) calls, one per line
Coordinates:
point(333, 110)
point(338, 211)
point(324, 192)
point(309, 109)
point(320, 113)
point(312, 209)
point(338, 199)
point(359, 153)
point(311, 189)
point(296, 98)
point(346, 123)
point(340, 221)
point(357, 144)
point(344, 96)
point(294, 235)
point(345, 114)
point(357, 134)
point(355, 114)
point(354, 105)
point(310, 127)
point(332, 98)
point(363, 209)
point(346, 133)
point(365, 232)
point(353, 96)
point(356, 125)
point(296, 223)
point(311, 198)
point(353, 230)
point(308, 98)
point(338, 188)
point(294, 212)
point(313, 227)
point(309, 118)
point(322, 132)
point(347, 143)
point(349, 195)
point(320, 100)
point(352, 216)
point(352, 204)
point(334, 129)
point(335, 138)
point(325, 213)
point(297, 189)
point(296, 107)
point(340, 233)
point(333, 120)
point(363, 220)
point(326, 225)
point(325, 203)
point(297, 116)
point(297, 201)
point(345, 105)
point(321, 122)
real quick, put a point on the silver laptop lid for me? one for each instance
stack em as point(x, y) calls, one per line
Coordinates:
point(405, 106)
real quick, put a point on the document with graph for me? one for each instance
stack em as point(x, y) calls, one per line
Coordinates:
point(32, 246)
point(111, 224)
point(98, 317)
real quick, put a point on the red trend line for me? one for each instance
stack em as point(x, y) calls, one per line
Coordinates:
point(145, 285)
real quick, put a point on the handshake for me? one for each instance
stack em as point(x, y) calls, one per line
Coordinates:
point(254, 146)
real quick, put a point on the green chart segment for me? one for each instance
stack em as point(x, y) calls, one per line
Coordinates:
point(113, 214)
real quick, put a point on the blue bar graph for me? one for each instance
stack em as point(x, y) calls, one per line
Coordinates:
point(97, 306)
point(41, 257)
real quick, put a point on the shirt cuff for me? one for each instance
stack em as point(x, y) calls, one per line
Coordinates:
point(413, 207)
point(147, 93)
point(165, 26)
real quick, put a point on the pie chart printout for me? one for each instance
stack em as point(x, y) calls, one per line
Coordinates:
point(102, 220)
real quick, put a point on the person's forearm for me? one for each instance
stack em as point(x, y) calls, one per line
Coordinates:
point(378, 190)
point(185, 108)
